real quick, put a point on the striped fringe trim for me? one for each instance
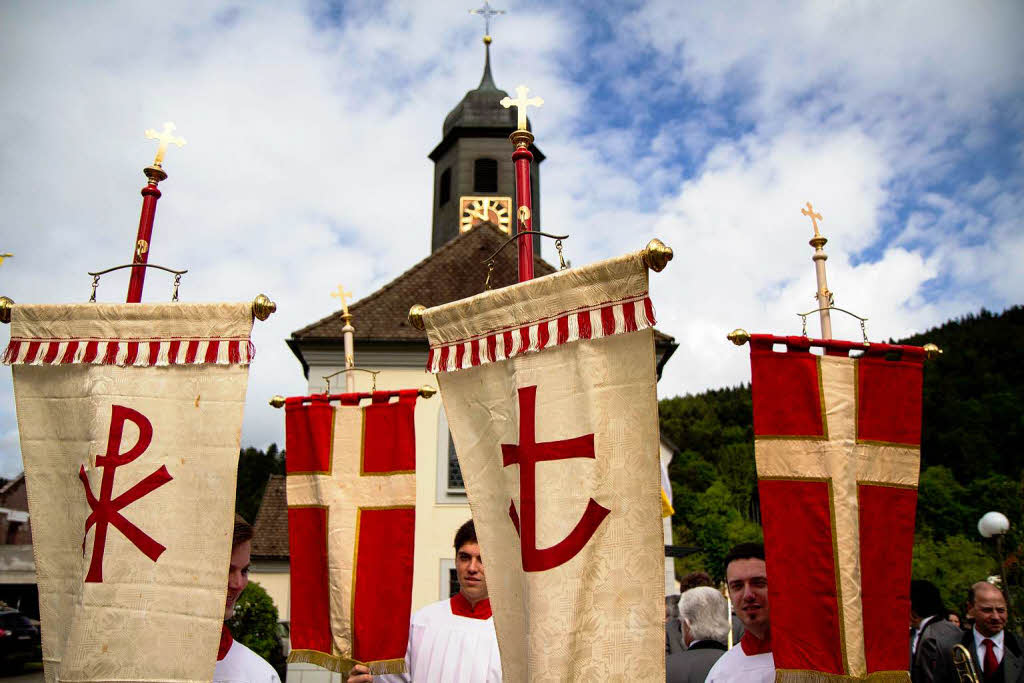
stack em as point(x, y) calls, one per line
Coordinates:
point(594, 322)
point(125, 353)
point(343, 665)
point(803, 676)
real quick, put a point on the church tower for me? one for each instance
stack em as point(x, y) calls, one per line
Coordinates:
point(474, 178)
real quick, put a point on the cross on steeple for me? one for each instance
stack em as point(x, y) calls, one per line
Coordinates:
point(815, 217)
point(487, 12)
point(521, 102)
point(166, 137)
point(343, 295)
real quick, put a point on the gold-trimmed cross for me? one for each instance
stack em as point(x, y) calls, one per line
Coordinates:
point(815, 217)
point(521, 103)
point(343, 295)
point(166, 137)
point(487, 12)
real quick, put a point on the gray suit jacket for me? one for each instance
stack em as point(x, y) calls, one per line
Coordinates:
point(938, 635)
point(693, 665)
point(943, 671)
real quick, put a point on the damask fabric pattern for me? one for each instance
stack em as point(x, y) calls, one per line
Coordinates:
point(131, 478)
point(837, 445)
point(554, 417)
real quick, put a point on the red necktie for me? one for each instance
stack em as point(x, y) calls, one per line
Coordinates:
point(991, 663)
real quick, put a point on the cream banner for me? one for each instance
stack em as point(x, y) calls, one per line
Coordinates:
point(130, 420)
point(549, 391)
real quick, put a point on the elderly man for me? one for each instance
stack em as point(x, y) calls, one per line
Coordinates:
point(751, 661)
point(704, 615)
point(996, 654)
point(452, 641)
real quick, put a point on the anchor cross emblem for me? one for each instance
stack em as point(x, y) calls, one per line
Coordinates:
point(527, 453)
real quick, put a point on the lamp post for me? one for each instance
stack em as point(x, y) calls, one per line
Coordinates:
point(996, 524)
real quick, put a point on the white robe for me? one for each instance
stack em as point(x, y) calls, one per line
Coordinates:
point(242, 665)
point(735, 666)
point(446, 648)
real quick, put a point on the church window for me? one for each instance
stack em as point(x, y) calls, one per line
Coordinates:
point(455, 482)
point(444, 190)
point(485, 175)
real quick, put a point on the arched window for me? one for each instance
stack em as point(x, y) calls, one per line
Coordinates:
point(485, 175)
point(444, 190)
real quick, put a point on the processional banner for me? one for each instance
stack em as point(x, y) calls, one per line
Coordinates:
point(130, 419)
point(351, 475)
point(837, 443)
point(549, 391)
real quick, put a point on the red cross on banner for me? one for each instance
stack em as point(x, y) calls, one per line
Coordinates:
point(351, 522)
point(837, 444)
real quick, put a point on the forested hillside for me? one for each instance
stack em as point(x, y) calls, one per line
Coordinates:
point(970, 457)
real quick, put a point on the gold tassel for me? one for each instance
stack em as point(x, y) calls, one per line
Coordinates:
point(343, 665)
point(804, 676)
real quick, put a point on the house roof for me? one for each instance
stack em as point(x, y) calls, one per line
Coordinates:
point(270, 531)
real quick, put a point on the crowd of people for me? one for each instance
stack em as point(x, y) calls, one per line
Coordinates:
point(454, 641)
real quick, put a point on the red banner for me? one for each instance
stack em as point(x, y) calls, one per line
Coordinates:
point(351, 523)
point(837, 443)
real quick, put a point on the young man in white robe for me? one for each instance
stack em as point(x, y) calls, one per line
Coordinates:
point(235, 662)
point(451, 641)
point(751, 661)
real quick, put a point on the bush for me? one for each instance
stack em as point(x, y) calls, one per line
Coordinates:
point(254, 624)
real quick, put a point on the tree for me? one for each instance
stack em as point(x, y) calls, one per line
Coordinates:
point(953, 564)
point(254, 624)
point(254, 469)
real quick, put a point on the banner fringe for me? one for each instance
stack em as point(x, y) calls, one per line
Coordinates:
point(804, 676)
point(343, 665)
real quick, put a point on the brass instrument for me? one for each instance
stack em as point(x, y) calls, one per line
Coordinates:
point(964, 665)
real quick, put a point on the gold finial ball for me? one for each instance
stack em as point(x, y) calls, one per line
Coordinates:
point(6, 303)
point(657, 255)
point(277, 401)
point(426, 391)
point(931, 351)
point(739, 336)
point(487, 40)
point(416, 316)
point(262, 306)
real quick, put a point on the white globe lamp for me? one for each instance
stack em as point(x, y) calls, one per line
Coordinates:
point(993, 524)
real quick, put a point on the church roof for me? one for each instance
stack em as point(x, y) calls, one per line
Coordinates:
point(455, 271)
point(480, 108)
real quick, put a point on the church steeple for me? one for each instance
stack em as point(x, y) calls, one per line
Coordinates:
point(473, 161)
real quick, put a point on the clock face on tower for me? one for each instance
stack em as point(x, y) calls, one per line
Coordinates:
point(476, 210)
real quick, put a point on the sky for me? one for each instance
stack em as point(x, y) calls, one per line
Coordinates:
point(708, 125)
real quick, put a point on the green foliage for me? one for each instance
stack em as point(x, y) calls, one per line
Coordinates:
point(973, 423)
point(254, 469)
point(254, 624)
point(953, 564)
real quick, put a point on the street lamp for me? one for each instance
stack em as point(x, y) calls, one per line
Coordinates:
point(996, 524)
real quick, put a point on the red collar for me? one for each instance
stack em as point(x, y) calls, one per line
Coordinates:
point(462, 608)
point(752, 645)
point(225, 643)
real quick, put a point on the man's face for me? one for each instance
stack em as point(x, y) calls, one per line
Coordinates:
point(470, 570)
point(989, 611)
point(238, 575)
point(748, 589)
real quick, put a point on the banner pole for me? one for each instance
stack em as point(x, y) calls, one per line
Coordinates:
point(522, 158)
point(824, 296)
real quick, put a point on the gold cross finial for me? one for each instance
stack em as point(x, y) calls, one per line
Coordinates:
point(815, 217)
point(343, 295)
point(166, 137)
point(3, 256)
point(487, 12)
point(521, 103)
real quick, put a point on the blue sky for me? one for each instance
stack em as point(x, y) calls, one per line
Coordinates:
point(705, 124)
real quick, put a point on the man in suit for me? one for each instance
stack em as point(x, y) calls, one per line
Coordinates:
point(704, 615)
point(997, 654)
point(928, 626)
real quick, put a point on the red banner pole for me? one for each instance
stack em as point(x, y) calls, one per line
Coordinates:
point(150, 195)
point(523, 158)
